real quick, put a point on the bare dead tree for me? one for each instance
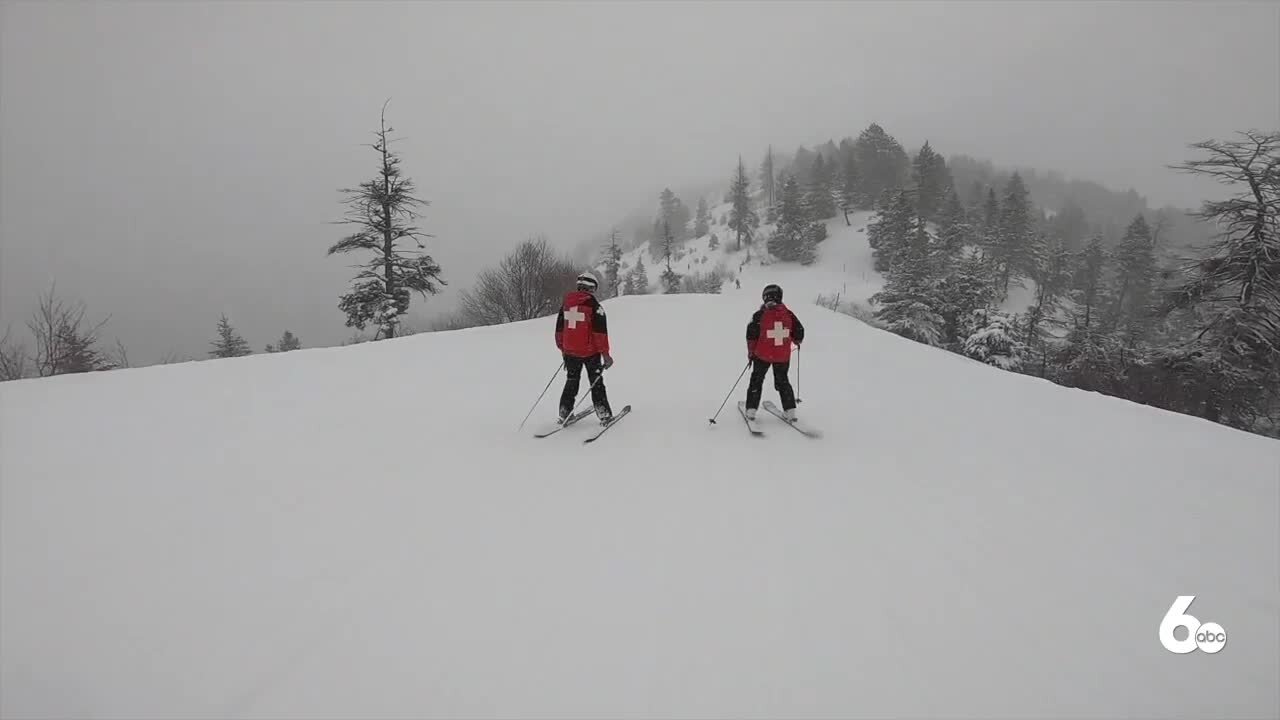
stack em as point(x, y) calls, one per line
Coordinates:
point(527, 284)
point(64, 342)
point(13, 358)
point(118, 356)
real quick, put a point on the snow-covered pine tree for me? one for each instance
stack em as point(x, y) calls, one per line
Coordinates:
point(989, 237)
point(955, 233)
point(1053, 279)
point(612, 261)
point(713, 242)
point(893, 229)
point(1087, 286)
point(1236, 285)
point(229, 343)
point(967, 288)
point(795, 237)
point(819, 194)
point(1014, 252)
point(909, 303)
point(996, 343)
point(702, 222)
point(383, 210)
point(1135, 263)
point(288, 342)
point(639, 278)
point(882, 163)
point(933, 182)
point(767, 179)
point(741, 217)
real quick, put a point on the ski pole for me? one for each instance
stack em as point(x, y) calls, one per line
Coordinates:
point(544, 392)
point(735, 387)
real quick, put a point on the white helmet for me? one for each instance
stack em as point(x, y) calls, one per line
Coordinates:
point(587, 281)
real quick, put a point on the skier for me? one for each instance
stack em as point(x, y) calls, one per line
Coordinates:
point(582, 336)
point(772, 330)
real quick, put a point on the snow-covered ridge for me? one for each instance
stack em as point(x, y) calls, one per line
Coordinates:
point(361, 531)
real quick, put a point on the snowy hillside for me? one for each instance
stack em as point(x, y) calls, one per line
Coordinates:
point(845, 266)
point(361, 532)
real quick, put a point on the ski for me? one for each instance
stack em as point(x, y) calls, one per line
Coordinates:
point(569, 421)
point(612, 421)
point(751, 424)
point(800, 427)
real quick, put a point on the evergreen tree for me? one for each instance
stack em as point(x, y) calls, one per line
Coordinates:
point(670, 281)
point(847, 182)
point(1135, 273)
point(741, 218)
point(996, 343)
point(1053, 279)
point(383, 210)
point(1235, 287)
point(639, 278)
point(229, 343)
point(796, 236)
point(819, 196)
point(702, 223)
point(955, 232)
point(1070, 226)
point(932, 180)
point(1087, 286)
point(909, 302)
point(612, 261)
point(990, 235)
point(288, 342)
point(668, 244)
point(1013, 251)
point(767, 179)
point(893, 229)
point(963, 292)
point(713, 242)
point(881, 161)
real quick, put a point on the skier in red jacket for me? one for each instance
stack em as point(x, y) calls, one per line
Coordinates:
point(770, 334)
point(582, 336)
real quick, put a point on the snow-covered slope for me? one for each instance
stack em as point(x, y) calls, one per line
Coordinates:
point(361, 532)
point(844, 266)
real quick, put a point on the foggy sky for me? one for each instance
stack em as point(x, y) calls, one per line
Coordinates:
point(170, 161)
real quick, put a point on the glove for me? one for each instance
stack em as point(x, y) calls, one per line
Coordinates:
point(608, 361)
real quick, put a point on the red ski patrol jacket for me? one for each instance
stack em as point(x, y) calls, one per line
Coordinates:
point(771, 332)
point(581, 327)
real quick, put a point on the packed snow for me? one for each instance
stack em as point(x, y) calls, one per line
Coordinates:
point(362, 532)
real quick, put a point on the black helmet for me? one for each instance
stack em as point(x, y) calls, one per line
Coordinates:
point(772, 293)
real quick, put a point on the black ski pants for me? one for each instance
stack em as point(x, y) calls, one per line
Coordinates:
point(781, 383)
point(573, 377)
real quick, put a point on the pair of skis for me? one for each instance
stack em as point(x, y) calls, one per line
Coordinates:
point(575, 418)
point(772, 409)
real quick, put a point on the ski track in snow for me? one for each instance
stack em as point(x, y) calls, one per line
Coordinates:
point(362, 532)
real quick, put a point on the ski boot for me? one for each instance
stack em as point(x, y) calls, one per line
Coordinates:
point(791, 415)
point(605, 414)
point(751, 414)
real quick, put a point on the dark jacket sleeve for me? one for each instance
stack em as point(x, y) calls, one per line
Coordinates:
point(797, 334)
point(560, 329)
point(599, 326)
point(753, 331)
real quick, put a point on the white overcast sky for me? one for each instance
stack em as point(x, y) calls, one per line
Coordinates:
point(170, 161)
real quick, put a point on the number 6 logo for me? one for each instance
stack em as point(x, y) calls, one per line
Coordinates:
point(1209, 637)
